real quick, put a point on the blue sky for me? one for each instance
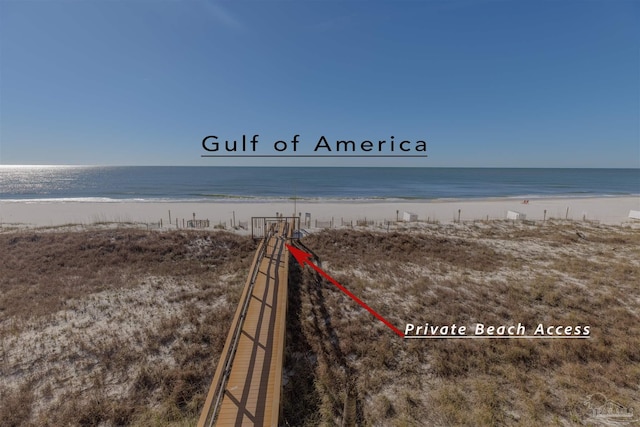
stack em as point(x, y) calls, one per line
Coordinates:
point(485, 83)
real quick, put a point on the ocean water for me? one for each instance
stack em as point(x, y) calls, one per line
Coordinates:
point(151, 183)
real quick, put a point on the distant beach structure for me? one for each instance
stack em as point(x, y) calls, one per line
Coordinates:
point(513, 215)
point(409, 217)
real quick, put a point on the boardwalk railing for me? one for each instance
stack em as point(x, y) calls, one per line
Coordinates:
point(247, 384)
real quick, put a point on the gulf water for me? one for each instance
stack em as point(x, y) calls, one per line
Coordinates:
point(197, 183)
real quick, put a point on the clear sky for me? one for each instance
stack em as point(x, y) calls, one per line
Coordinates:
point(485, 83)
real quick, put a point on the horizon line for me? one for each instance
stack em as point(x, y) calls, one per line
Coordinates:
point(317, 166)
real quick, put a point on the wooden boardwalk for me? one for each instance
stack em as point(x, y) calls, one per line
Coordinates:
point(245, 390)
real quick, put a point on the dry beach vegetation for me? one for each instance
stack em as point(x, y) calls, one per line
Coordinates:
point(124, 327)
point(493, 273)
point(114, 327)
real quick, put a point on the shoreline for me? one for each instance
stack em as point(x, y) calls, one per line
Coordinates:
point(51, 213)
point(303, 199)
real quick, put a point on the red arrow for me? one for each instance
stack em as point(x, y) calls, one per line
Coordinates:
point(303, 258)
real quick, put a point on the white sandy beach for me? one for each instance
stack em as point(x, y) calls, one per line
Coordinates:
point(607, 210)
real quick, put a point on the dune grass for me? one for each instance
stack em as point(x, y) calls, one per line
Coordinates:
point(499, 273)
point(125, 327)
